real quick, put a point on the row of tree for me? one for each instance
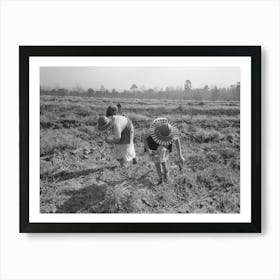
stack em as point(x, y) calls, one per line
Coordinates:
point(213, 93)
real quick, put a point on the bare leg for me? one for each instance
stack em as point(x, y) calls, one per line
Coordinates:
point(158, 168)
point(165, 171)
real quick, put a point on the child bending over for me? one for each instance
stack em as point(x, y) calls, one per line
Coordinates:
point(158, 142)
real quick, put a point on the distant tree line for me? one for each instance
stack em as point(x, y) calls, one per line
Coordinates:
point(213, 93)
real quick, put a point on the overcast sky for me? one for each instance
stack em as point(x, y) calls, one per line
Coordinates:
point(122, 78)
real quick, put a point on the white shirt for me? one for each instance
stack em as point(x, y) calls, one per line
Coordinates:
point(119, 125)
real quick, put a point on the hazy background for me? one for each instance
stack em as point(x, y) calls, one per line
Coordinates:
point(121, 78)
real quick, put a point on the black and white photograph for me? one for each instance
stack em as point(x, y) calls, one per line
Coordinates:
point(140, 139)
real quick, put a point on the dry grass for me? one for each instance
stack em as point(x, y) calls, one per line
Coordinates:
point(70, 145)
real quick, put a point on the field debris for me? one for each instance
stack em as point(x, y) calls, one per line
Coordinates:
point(78, 173)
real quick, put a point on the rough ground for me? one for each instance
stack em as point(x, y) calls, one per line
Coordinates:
point(79, 175)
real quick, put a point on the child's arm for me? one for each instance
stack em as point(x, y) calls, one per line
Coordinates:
point(145, 142)
point(115, 139)
point(179, 150)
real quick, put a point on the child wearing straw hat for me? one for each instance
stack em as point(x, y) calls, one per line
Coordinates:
point(158, 142)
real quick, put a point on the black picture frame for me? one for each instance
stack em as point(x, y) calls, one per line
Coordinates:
point(25, 52)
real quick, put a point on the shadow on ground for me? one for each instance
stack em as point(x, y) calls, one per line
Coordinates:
point(95, 198)
point(82, 200)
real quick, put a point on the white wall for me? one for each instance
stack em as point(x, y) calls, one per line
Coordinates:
point(139, 256)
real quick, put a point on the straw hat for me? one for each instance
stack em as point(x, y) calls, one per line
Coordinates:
point(163, 131)
point(103, 123)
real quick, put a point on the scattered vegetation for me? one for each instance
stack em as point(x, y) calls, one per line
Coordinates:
point(79, 174)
